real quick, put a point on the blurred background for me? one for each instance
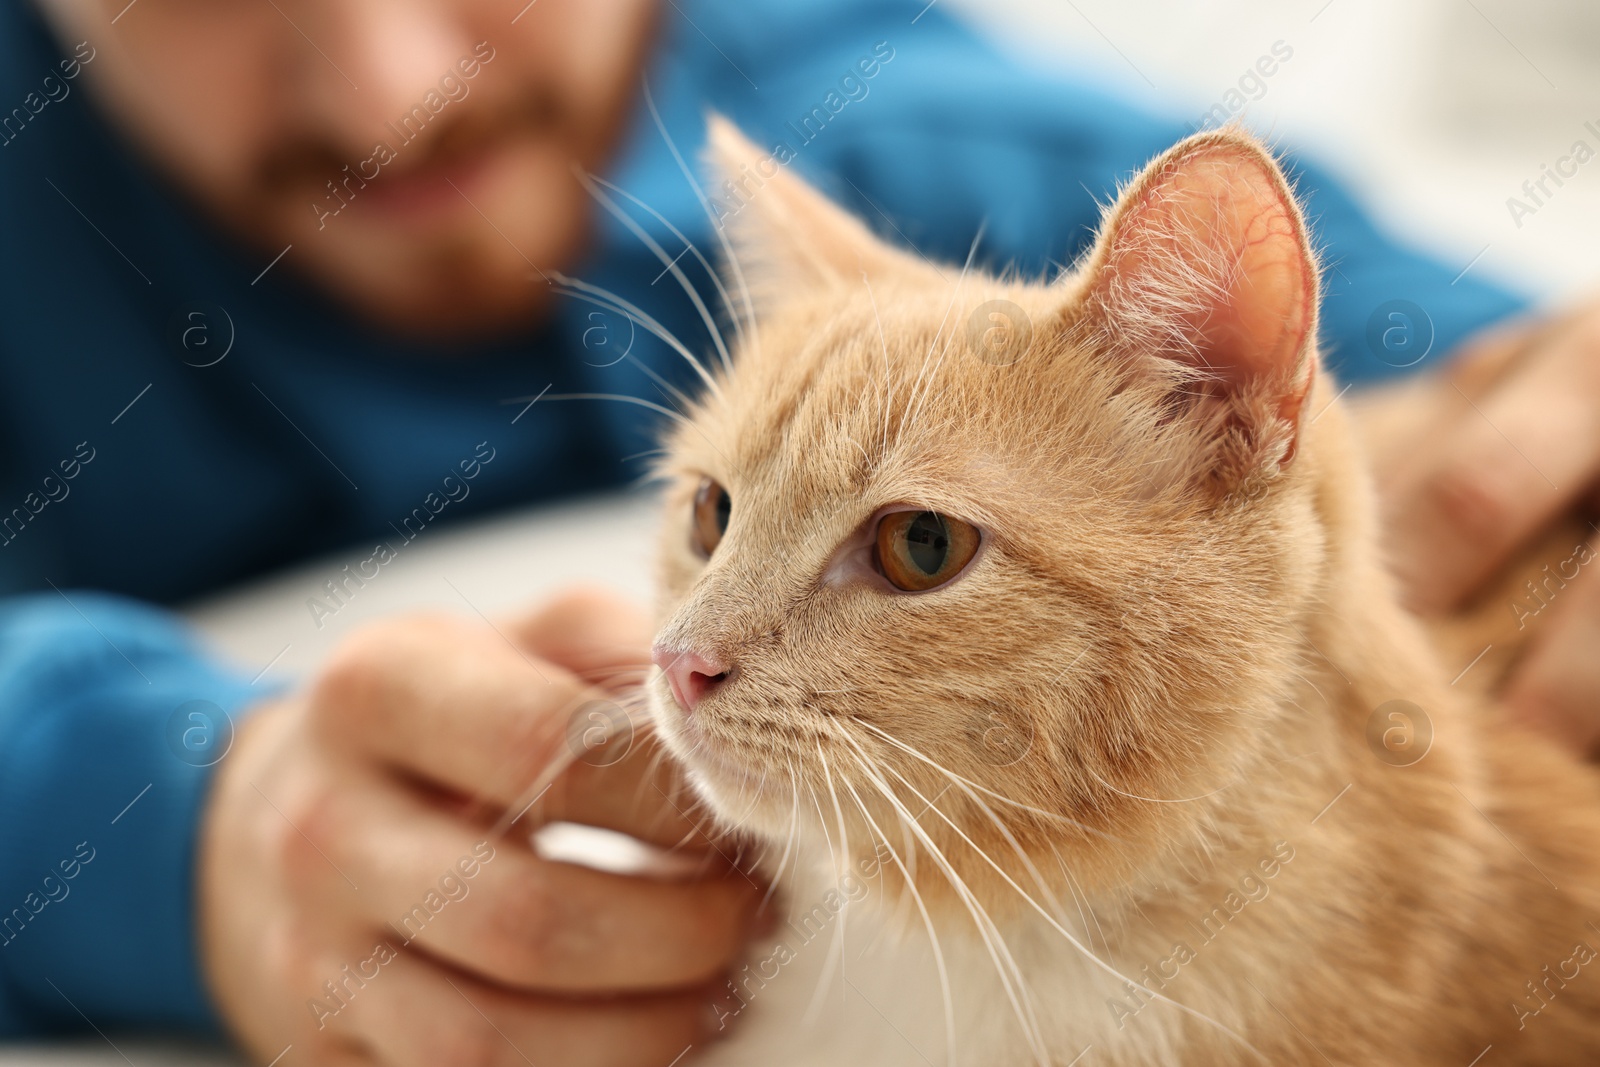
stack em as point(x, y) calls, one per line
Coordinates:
point(1435, 112)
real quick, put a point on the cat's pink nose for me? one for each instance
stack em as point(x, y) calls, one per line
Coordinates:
point(691, 675)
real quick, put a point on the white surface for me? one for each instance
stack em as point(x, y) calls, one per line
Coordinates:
point(488, 567)
point(1433, 111)
point(102, 1053)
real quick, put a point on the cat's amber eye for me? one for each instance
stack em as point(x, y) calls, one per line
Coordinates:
point(919, 550)
point(712, 506)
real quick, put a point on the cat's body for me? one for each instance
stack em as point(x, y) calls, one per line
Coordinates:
point(1136, 764)
point(1387, 937)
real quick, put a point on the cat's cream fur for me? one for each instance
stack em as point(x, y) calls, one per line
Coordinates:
point(1179, 625)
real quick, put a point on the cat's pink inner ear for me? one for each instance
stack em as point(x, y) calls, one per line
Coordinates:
point(1205, 262)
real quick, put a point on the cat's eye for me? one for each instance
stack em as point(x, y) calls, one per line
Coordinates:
point(918, 550)
point(712, 507)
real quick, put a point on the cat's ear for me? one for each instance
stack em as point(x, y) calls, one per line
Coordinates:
point(1204, 261)
point(786, 236)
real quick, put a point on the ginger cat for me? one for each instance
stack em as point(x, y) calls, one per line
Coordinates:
point(1046, 649)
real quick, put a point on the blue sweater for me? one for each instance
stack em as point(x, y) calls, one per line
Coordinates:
point(130, 473)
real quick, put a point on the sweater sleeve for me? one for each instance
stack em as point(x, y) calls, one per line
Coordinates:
point(111, 722)
point(1388, 309)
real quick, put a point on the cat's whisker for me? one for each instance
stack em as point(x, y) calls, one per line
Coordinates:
point(671, 391)
point(643, 802)
point(1080, 900)
point(797, 831)
point(530, 795)
point(836, 949)
point(919, 395)
point(524, 800)
point(1006, 967)
point(593, 185)
point(616, 671)
point(833, 865)
point(622, 398)
point(969, 783)
point(1045, 890)
point(649, 453)
point(726, 298)
point(1071, 938)
point(1038, 876)
point(1157, 800)
point(864, 454)
point(888, 380)
point(927, 921)
point(750, 320)
point(789, 841)
point(822, 823)
point(907, 420)
point(755, 795)
point(602, 297)
point(636, 704)
point(1305, 679)
point(838, 811)
point(912, 394)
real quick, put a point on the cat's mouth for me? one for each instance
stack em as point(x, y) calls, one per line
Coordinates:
point(743, 755)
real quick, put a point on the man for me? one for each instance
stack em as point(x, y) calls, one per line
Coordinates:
point(272, 269)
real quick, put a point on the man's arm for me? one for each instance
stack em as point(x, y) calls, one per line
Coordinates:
point(111, 718)
point(138, 884)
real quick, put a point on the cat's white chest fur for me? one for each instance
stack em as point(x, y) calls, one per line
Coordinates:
point(846, 981)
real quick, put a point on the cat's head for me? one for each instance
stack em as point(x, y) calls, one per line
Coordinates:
point(1025, 555)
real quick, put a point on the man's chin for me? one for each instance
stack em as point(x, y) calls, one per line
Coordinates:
point(464, 267)
point(461, 308)
point(465, 284)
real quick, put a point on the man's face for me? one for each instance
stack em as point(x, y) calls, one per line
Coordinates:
point(417, 154)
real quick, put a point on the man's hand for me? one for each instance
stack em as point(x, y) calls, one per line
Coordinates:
point(1492, 457)
point(358, 903)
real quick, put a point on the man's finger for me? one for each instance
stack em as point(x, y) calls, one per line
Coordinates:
point(449, 701)
point(1555, 687)
point(455, 704)
point(424, 1015)
point(1516, 458)
point(433, 883)
point(599, 636)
